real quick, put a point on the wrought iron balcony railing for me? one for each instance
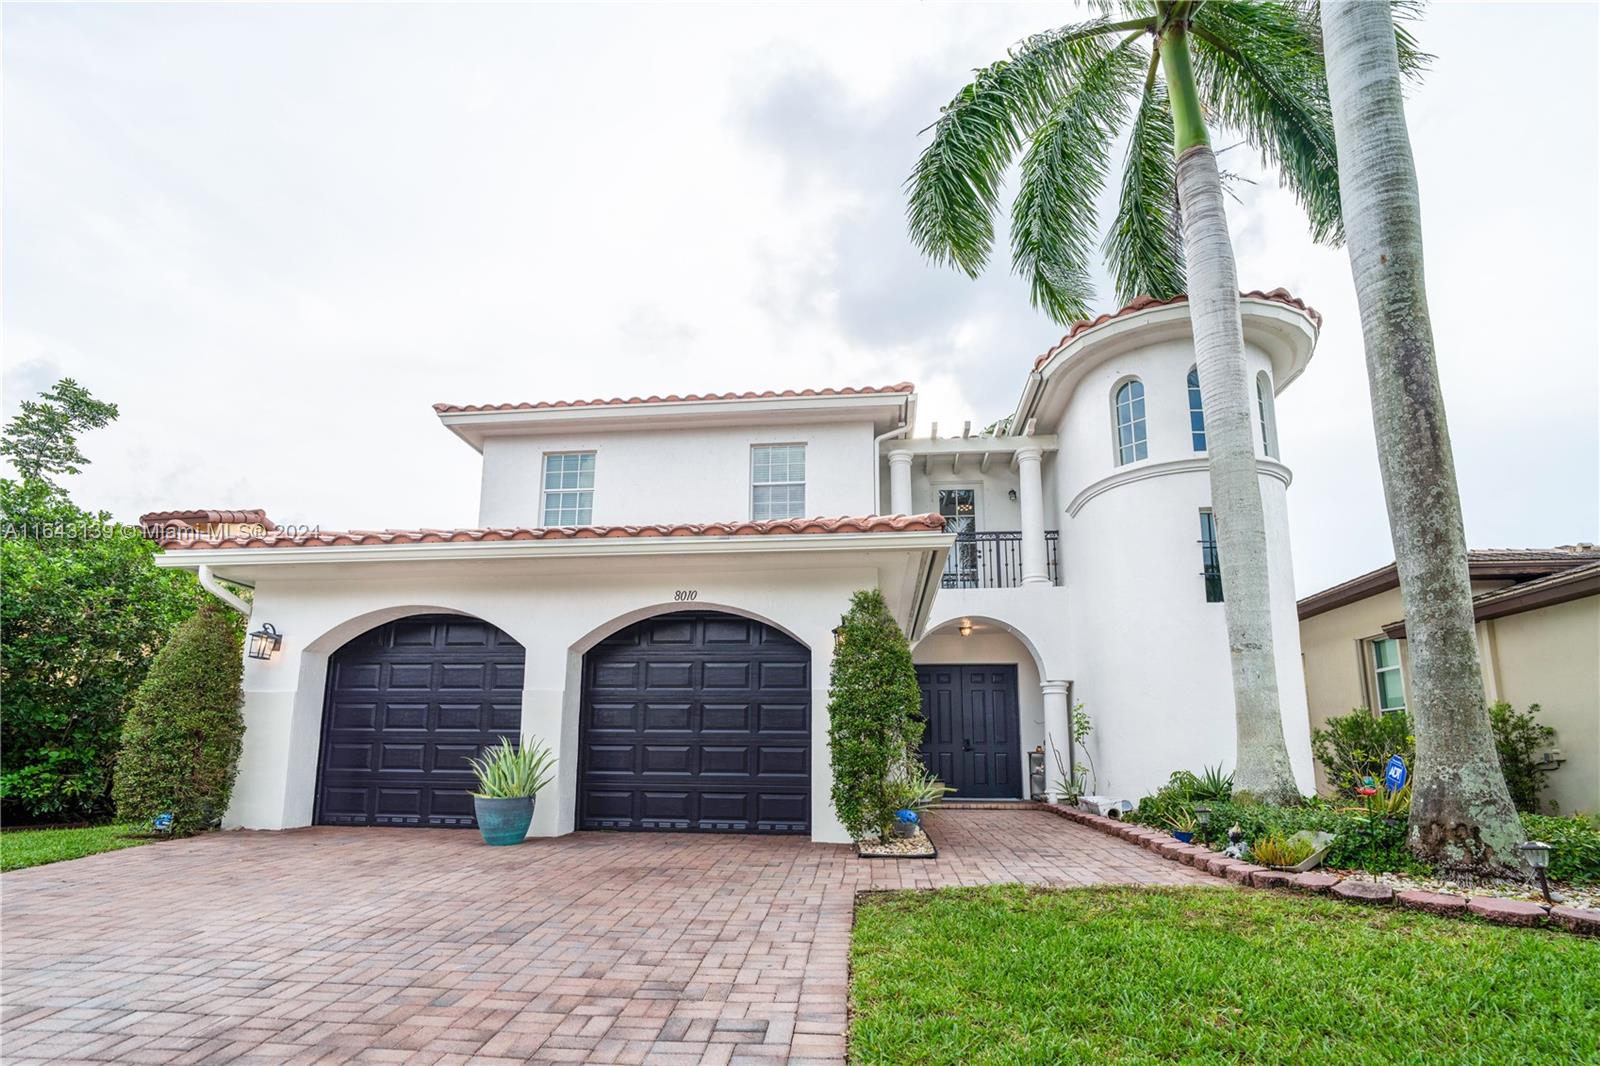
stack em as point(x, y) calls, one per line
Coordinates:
point(992, 559)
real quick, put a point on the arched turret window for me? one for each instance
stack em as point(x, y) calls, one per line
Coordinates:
point(1197, 411)
point(1269, 417)
point(1131, 443)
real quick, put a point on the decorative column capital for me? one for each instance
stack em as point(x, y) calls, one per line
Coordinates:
point(1030, 454)
point(898, 456)
point(1054, 688)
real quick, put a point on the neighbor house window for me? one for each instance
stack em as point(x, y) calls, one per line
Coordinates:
point(1197, 411)
point(1131, 445)
point(777, 481)
point(1386, 667)
point(1210, 562)
point(1269, 418)
point(569, 488)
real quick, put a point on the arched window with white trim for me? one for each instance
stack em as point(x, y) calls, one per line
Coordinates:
point(1197, 411)
point(1130, 437)
point(1269, 417)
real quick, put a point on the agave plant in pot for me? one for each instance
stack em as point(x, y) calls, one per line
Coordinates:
point(509, 780)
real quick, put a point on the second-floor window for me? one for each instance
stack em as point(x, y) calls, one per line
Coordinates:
point(569, 488)
point(1197, 411)
point(1269, 417)
point(777, 481)
point(1131, 444)
point(1210, 561)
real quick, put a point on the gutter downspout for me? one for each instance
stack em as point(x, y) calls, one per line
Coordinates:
point(209, 582)
point(877, 460)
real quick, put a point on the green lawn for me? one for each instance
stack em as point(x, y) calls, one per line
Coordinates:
point(1207, 975)
point(21, 848)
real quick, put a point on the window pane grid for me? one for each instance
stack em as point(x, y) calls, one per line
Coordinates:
point(777, 481)
point(1197, 413)
point(1131, 443)
point(1210, 561)
point(569, 489)
point(1391, 683)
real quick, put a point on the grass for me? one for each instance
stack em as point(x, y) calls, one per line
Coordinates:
point(1207, 975)
point(21, 848)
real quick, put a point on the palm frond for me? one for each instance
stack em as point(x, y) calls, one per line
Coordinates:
point(954, 191)
point(1053, 220)
point(1144, 247)
point(1260, 71)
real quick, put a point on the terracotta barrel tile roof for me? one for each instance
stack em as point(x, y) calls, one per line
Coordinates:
point(926, 523)
point(1141, 303)
point(619, 401)
point(252, 516)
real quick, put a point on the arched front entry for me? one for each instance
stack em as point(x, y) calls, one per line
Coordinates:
point(407, 704)
point(696, 720)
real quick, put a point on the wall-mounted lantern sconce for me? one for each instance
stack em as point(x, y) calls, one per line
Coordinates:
point(265, 641)
point(838, 637)
point(1012, 495)
point(965, 628)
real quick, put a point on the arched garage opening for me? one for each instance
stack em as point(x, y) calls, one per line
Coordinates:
point(698, 721)
point(407, 703)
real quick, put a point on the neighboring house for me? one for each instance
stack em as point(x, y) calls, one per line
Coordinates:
point(1538, 615)
point(648, 593)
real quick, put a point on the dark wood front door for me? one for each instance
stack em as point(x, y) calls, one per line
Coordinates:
point(696, 721)
point(970, 735)
point(408, 703)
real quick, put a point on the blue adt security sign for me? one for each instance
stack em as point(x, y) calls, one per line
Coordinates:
point(1394, 774)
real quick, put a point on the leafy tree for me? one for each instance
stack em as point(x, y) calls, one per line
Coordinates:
point(874, 713)
point(1462, 814)
point(1059, 100)
point(42, 439)
point(1353, 747)
point(83, 610)
point(182, 737)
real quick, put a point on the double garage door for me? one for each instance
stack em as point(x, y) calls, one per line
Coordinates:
point(689, 721)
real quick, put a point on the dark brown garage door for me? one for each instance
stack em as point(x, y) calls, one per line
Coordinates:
point(698, 721)
point(407, 704)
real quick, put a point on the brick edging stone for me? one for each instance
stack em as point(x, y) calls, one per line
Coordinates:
point(1496, 909)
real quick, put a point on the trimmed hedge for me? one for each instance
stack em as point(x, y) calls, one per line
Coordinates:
point(181, 739)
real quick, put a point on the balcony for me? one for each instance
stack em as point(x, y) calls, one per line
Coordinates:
point(992, 559)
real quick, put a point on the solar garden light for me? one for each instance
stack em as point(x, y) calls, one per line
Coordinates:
point(1537, 855)
point(265, 641)
point(1202, 814)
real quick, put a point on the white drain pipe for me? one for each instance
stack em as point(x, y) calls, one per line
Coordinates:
point(209, 582)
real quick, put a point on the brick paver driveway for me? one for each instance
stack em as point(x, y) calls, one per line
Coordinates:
point(374, 945)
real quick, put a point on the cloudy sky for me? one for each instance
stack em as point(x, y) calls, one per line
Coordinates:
point(275, 235)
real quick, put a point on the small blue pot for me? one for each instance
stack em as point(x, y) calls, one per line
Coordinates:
point(1183, 838)
point(503, 821)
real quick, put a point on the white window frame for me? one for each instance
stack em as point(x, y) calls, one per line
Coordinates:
point(754, 484)
point(1139, 424)
point(1378, 671)
point(584, 493)
point(1267, 411)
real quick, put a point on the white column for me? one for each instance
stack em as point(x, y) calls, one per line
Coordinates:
point(899, 482)
point(1057, 746)
point(1030, 491)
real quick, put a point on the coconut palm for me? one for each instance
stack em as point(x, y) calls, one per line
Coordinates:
point(1461, 811)
point(1060, 99)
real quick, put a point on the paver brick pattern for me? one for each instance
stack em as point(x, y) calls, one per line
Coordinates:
point(424, 946)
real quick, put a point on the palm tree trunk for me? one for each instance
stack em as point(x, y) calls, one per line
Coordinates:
point(1461, 811)
point(1262, 762)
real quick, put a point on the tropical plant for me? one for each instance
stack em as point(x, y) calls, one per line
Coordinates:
point(1462, 816)
point(84, 613)
point(913, 788)
point(183, 734)
point(1518, 740)
point(1356, 746)
point(874, 713)
point(505, 771)
point(1059, 99)
point(1181, 821)
point(1071, 783)
point(1383, 803)
point(1281, 851)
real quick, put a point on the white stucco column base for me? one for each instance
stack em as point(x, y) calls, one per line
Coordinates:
point(1056, 742)
point(1030, 489)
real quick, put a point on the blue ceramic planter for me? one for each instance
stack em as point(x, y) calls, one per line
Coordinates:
point(1183, 838)
point(503, 821)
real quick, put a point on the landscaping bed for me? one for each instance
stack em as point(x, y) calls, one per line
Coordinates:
point(1013, 974)
point(21, 848)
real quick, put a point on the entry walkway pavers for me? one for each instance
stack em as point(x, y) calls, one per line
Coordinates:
point(425, 946)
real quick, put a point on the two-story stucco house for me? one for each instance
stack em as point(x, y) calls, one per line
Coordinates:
point(649, 592)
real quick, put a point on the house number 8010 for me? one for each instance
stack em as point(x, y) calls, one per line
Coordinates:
point(686, 594)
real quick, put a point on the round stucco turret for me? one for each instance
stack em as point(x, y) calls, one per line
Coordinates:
point(1133, 486)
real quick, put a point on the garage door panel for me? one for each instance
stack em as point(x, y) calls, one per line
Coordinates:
point(714, 755)
point(430, 693)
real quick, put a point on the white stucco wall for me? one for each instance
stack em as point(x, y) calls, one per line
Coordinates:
point(685, 475)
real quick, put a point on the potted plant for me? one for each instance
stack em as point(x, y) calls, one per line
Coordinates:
point(906, 822)
point(509, 780)
point(1182, 824)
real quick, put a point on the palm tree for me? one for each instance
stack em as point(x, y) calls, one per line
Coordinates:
point(1461, 811)
point(1060, 99)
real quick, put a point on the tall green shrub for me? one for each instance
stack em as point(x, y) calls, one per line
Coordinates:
point(1353, 747)
point(874, 713)
point(1518, 738)
point(181, 740)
